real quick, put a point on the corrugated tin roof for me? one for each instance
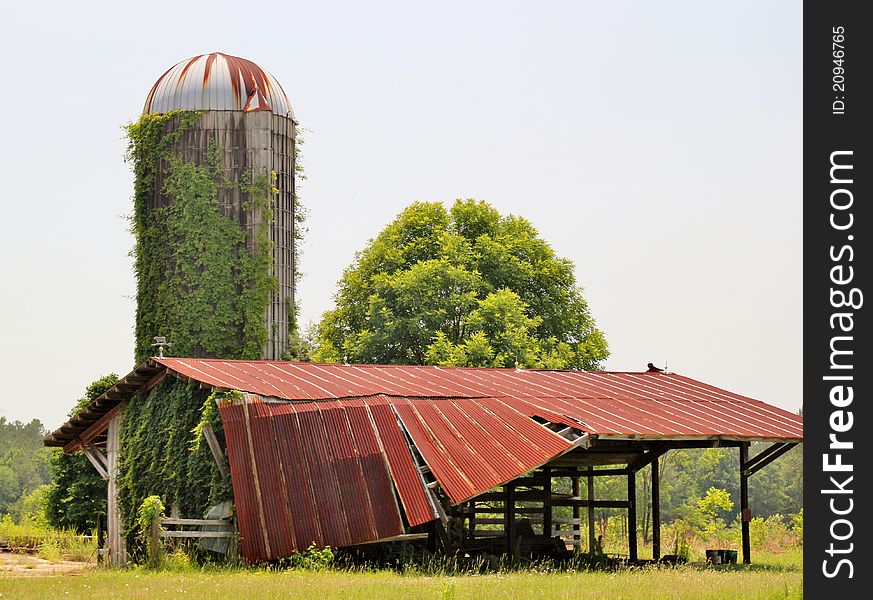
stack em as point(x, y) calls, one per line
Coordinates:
point(325, 472)
point(308, 473)
point(217, 82)
point(664, 405)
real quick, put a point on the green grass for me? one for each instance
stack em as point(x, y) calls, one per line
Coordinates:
point(773, 577)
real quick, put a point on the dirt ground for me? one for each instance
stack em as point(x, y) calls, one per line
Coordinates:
point(24, 565)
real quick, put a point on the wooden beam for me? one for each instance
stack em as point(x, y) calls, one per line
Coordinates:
point(591, 540)
point(95, 462)
point(215, 448)
point(547, 503)
point(592, 458)
point(648, 457)
point(586, 503)
point(763, 454)
point(151, 383)
point(608, 472)
point(117, 551)
point(632, 515)
point(99, 454)
point(197, 534)
point(522, 495)
point(656, 510)
point(509, 518)
point(196, 522)
point(534, 518)
point(753, 467)
point(557, 500)
point(403, 537)
point(723, 441)
point(745, 511)
point(519, 510)
point(91, 432)
point(574, 482)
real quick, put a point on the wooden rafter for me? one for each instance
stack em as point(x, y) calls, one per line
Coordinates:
point(764, 458)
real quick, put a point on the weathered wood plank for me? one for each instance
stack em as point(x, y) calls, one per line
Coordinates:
point(197, 534)
point(196, 522)
point(403, 537)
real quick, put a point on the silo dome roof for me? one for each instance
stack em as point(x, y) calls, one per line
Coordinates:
point(217, 82)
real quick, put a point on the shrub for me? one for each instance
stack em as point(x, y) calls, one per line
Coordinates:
point(311, 559)
point(151, 511)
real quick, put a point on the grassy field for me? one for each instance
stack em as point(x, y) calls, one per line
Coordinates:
point(774, 576)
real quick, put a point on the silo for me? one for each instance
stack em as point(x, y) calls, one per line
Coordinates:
point(223, 119)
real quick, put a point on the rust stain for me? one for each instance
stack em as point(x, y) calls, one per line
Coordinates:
point(208, 70)
point(249, 87)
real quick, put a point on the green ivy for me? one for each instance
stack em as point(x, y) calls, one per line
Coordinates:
point(203, 281)
point(161, 433)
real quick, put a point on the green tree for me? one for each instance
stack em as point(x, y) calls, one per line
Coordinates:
point(33, 507)
point(465, 286)
point(78, 493)
point(23, 461)
point(711, 510)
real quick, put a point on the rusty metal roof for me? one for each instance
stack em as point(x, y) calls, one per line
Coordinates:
point(217, 82)
point(311, 473)
point(607, 404)
point(325, 472)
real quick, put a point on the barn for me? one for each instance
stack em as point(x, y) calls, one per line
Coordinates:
point(465, 458)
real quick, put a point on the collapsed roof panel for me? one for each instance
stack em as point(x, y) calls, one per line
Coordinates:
point(300, 476)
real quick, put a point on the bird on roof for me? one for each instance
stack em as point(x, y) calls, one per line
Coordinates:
point(653, 369)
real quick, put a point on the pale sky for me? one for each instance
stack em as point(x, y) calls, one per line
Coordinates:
point(656, 145)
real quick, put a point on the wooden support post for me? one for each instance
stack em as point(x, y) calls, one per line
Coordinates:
point(547, 504)
point(574, 482)
point(744, 502)
point(509, 518)
point(117, 551)
point(154, 547)
point(632, 516)
point(101, 537)
point(591, 540)
point(656, 510)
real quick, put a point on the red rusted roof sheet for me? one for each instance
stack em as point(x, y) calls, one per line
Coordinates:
point(304, 474)
point(664, 405)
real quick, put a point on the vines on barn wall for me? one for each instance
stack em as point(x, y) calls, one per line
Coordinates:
point(165, 455)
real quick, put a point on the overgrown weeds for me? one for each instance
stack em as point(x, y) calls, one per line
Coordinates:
point(47, 543)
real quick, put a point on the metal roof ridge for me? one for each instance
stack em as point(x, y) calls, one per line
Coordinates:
point(393, 366)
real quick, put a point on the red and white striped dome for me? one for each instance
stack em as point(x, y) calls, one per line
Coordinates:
point(217, 82)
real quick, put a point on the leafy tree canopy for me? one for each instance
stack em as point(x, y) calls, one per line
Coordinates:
point(465, 286)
